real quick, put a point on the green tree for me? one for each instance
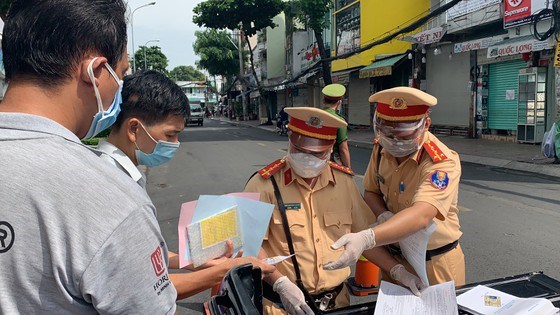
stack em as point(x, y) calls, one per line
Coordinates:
point(186, 73)
point(217, 53)
point(248, 16)
point(314, 14)
point(155, 59)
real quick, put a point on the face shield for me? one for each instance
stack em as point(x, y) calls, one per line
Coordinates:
point(319, 148)
point(400, 138)
point(308, 156)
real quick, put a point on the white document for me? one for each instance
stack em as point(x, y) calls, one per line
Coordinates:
point(276, 259)
point(487, 301)
point(414, 250)
point(438, 299)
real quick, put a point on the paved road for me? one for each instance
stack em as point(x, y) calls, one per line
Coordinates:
point(510, 220)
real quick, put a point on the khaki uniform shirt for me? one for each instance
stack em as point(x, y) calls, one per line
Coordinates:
point(419, 178)
point(317, 217)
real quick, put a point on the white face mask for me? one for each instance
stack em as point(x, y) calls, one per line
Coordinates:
point(399, 148)
point(306, 165)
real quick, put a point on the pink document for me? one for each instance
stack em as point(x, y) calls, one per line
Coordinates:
point(185, 218)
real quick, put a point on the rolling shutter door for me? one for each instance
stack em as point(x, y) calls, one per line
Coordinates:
point(503, 76)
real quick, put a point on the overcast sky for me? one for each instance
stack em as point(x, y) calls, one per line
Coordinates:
point(170, 21)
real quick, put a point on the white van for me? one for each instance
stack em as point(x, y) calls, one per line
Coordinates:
point(197, 115)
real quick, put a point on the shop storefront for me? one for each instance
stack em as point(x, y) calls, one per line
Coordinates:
point(515, 84)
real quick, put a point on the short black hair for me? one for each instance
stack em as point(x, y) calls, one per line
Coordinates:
point(329, 101)
point(151, 97)
point(45, 40)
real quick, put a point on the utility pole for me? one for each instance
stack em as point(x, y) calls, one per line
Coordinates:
point(241, 72)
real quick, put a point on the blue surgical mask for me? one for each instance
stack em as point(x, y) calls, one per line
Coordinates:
point(163, 152)
point(104, 119)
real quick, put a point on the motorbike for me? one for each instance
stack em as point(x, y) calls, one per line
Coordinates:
point(242, 293)
point(283, 128)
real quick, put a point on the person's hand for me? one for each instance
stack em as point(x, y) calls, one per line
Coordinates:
point(216, 261)
point(399, 273)
point(291, 296)
point(266, 269)
point(354, 245)
point(384, 216)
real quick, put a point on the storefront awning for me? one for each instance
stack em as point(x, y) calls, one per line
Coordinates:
point(380, 68)
point(342, 77)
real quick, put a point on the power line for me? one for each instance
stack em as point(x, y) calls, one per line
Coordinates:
point(407, 29)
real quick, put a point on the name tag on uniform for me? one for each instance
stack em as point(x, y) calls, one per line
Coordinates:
point(292, 206)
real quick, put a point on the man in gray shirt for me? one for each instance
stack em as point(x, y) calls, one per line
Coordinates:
point(77, 236)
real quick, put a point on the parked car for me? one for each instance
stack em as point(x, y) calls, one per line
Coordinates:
point(197, 115)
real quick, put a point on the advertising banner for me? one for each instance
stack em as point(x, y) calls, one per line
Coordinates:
point(430, 36)
point(310, 56)
point(519, 12)
point(468, 6)
point(524, 45)
point(348, 29)
point(476, 44)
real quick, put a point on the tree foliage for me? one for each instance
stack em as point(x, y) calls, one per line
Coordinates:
point(251, 15)
point(217, 53)
point(314, 14)
point(186, 73)
point(155, 59)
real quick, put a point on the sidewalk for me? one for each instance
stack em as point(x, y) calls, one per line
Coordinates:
point(508, 155)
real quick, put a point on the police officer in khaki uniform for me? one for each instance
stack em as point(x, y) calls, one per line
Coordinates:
point(321, 203)
point(412, 180)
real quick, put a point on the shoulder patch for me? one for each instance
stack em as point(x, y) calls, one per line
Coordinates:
point(439, 179)
point(272, 168)
point(434, 151)
point(341, 168)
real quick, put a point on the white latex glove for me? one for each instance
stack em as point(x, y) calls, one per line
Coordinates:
point(384, 216)
point(291, 296)
point(354, 245)
point(399, 273)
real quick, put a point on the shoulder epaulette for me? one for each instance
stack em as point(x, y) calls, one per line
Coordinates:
point(272, 168)
point(434, 151)
point(341, 168)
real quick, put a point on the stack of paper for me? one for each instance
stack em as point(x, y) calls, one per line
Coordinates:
point(483, 300)
point(438, 299)
point(208, 237)
point(212, 220)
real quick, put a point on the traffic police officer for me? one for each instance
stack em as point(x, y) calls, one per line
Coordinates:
point(332, 101)
point(316, 202)
point(412, 179)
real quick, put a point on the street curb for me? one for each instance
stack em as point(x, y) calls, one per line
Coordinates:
point(489, 161)
point(467, 158)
